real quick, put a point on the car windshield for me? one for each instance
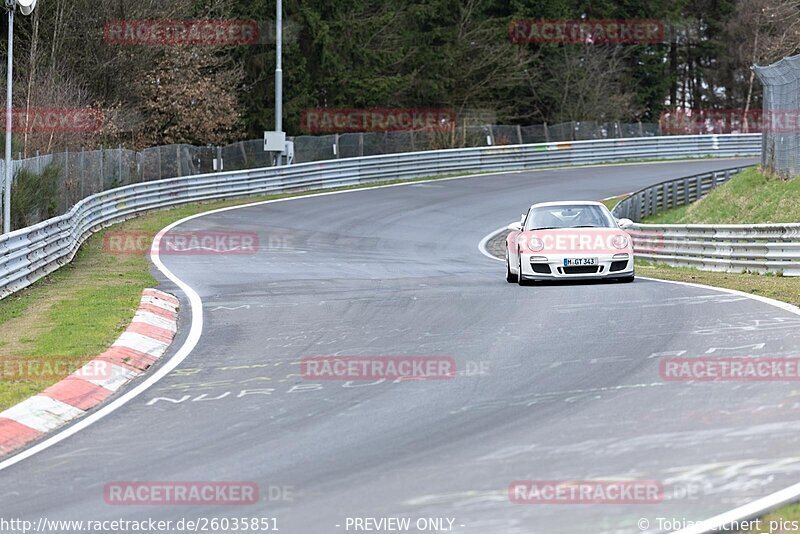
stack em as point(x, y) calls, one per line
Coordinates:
point(569, 216)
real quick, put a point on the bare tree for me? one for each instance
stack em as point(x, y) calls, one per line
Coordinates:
point(588, 83)
point(70, 63)
point(486, 66)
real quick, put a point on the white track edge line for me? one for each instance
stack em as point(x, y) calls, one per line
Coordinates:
point(191, 341)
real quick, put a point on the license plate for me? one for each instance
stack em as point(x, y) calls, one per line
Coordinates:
point(573, 262)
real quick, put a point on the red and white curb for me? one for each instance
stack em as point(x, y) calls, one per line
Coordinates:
point(142, 344)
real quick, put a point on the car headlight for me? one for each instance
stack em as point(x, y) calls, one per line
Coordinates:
point(535, 244)
point(619, 241)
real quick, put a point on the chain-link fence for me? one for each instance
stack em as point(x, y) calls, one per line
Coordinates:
point(780, 125)
point(313, 148)
point(75, 175)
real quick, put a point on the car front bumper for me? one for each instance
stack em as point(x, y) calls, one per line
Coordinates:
point(551, 267)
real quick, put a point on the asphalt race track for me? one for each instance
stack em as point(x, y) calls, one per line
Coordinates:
point(556, 382)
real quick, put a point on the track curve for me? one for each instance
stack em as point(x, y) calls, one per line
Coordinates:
point(569, 389)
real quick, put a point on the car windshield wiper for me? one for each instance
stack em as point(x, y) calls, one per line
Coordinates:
point(547, 228)
point(588, 226)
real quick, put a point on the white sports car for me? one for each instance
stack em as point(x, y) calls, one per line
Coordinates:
point(568, 240)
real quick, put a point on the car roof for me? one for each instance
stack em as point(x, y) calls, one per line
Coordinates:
point(567, 202)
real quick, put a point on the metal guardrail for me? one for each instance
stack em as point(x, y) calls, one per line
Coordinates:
point(28, 254)
point(759, 248)
point(662, 196)
point(81, 173)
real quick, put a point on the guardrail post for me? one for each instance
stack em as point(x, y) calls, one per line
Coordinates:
point(519, 134)
point(652, 201)
point(699, 187)
point(639, 207)
point(685, 191)
point(546, 133)
point(648, 195)
point(673, 193)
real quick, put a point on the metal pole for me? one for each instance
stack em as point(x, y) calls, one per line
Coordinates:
point(278, 69)
point(9, 75)
point(102, 183)
point(82, 176)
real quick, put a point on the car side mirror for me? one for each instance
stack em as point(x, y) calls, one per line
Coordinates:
point(624, 223)
point(515, 227)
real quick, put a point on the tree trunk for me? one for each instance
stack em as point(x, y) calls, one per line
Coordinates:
point(745, 125)
point(673, 73)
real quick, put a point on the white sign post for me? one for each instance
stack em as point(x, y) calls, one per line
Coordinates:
point(26, 7)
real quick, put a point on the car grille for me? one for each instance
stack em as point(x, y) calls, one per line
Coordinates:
point(541, 268)
point(618, 265)
point(581, 269)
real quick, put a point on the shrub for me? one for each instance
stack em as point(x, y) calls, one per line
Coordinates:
point(34, 197)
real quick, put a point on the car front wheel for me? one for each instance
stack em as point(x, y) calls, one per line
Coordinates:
point(510, 277)
point(520, 280)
